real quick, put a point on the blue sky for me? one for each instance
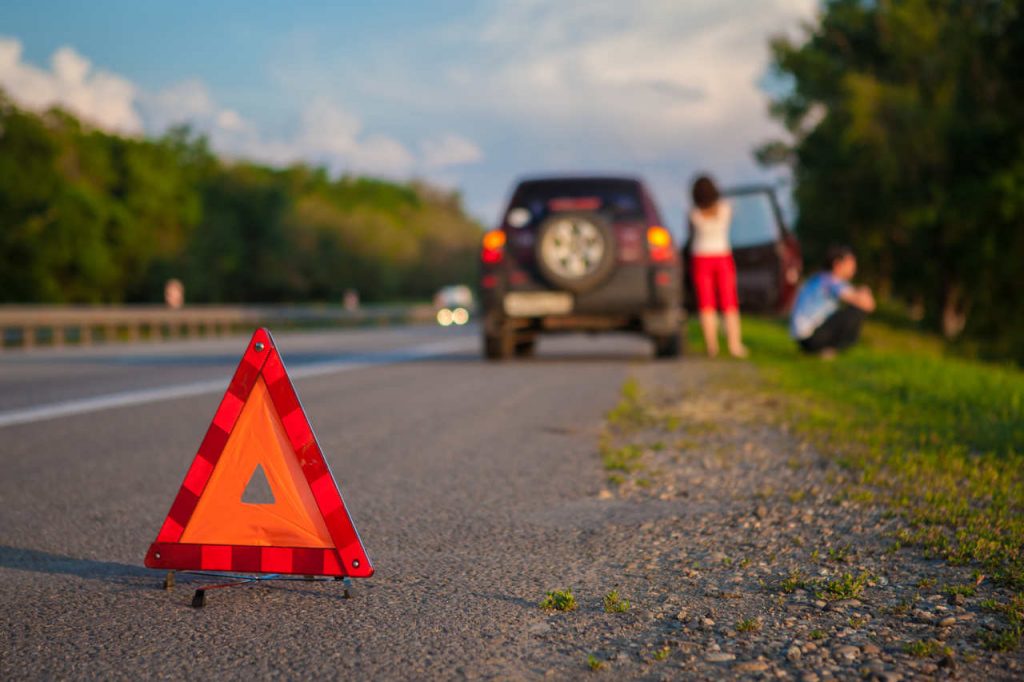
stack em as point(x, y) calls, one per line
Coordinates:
point(463, 93)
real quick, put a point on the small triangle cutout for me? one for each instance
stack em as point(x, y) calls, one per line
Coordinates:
point(257, 490)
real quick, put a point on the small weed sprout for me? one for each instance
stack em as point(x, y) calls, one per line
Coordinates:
point(613, 603)
point(839, 554)
point(559, 600)
point(925, 648)
point(817, 634)
point(793, 582)
point(748, 625)
point(967, 590)
point(594, 662)
point(662, 653)
point(845, 586)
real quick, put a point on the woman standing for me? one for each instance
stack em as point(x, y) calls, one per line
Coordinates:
point(713, 268)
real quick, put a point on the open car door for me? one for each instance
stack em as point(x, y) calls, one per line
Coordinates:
point(767, 255)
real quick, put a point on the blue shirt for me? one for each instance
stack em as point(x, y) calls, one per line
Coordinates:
point(817, 300)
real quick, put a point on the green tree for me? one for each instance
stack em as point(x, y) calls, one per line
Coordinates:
point(907, 140)
point(86, 216)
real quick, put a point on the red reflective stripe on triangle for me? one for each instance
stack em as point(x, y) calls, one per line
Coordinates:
point(313, 465)
point(246, 559)
point(291, 560)
point(326, 494)
point(184, 505)
point(213, 444)
point(273, 370)
point(297, 428)
point(332, 564)
point(216, 558)
point(197, 476)
point(227, 413)
point(276, 559)
point(346, 534)
point(170, 531)
point(308, 561)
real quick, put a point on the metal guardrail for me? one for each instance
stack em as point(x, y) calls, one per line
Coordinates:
point(25, 326)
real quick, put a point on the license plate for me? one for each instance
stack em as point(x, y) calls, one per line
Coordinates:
point(537, 303)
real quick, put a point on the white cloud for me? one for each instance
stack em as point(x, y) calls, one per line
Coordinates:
point(186, 102)
point(98, 96)
point(449, 150)
point(334, 134)
point(649, 75)
point(661, 88)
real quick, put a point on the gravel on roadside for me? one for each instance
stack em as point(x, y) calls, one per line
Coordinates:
point(742, 556)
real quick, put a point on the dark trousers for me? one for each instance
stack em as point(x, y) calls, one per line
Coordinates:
point(839, 331)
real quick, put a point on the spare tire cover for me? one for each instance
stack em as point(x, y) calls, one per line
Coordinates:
point(575, 251)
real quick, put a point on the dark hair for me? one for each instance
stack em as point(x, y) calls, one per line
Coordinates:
point(705, 194)
point(836, 253)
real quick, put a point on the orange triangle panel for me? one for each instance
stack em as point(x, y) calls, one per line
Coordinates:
point(306, 530)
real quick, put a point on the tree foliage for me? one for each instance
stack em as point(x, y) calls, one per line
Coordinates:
point(907, 141)
point(89, 217)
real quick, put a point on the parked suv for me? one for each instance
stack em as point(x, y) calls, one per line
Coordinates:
point(579, 254)
point(767, 254)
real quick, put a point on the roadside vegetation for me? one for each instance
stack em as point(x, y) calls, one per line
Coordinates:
point(938, 440)
point(91, 217)
point(559, 600)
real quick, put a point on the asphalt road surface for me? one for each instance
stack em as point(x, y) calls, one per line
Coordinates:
point(463, 477)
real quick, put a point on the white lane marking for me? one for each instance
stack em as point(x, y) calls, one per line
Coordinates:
point(143, 396)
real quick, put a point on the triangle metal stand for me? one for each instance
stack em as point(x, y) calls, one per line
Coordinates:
point(236, 580)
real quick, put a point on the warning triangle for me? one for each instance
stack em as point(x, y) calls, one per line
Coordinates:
point(259, 496)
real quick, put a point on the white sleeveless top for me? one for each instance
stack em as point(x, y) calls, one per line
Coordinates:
point(711, 232)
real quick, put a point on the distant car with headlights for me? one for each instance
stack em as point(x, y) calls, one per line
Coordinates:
point(579, 254)
point(767, 254)
point(453, 304)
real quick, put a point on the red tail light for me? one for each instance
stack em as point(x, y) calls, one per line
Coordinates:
point(659, 244)
point(493, 248)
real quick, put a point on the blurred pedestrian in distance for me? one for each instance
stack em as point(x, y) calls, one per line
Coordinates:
point(350, 300)
point(713, 268)
point(829, 310)
point(174, 294)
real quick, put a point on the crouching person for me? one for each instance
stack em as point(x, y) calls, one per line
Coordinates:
point(829, 310)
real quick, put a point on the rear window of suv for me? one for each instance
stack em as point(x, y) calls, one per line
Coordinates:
point(534, 200)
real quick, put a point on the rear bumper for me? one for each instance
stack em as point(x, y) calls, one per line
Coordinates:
point(641, 298)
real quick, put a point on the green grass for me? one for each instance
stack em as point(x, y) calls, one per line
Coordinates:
point(926, 648)
point(613, 603)
point(937, 439)
point(846, 586)
point(793, 582)
point(748, 625)
point(1012, 633)
point(558, 600)
point(594, 662)
point(968, 590)
point(630, 413)
point(625, 458)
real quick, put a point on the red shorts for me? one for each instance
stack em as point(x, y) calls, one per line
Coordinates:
point(713, 274)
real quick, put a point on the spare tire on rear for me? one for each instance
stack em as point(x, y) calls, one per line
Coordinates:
point(575, 250)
